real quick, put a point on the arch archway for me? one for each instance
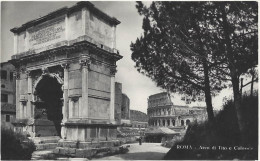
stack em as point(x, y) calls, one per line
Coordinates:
point(187, 122)
point(182, 122)
point(163, 123)
point(48, 89)
point(173, 122)
point(168, 122)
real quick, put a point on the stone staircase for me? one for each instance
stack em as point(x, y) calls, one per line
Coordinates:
point(46, 143)
point(52, 148)
point(45, 147)
point(95, 149)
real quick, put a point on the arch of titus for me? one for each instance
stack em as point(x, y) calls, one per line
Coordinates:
point(65, 72)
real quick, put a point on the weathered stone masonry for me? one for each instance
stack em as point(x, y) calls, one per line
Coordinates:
point(76, 48)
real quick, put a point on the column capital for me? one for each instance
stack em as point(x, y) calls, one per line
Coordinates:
point(28, 73)
point(85, 61)
point(113, 70)
point(65, 65)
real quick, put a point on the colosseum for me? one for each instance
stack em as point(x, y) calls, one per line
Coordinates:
point(163, 113)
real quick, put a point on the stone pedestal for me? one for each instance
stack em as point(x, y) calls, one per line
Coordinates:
point(85, 139)
point(83, 131)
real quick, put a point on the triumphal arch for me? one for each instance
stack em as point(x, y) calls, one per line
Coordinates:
point(65, 74)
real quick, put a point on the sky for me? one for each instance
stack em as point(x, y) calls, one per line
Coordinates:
point(135, 85)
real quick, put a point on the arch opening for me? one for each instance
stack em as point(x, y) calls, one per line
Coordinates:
point(168, 122)
point(182, 122)
point(173, 122)
point(50, 94)
point(187, 122)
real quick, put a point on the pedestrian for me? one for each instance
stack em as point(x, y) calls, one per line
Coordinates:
point(140, 141)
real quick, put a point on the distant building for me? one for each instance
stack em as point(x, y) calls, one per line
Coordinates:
point(163, 113)
point(139, 119)
point(122, 106)
point(8, 110)
point(123, 115)
point(125, 107)
point(118, 102)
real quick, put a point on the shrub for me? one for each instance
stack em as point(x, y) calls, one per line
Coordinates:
point(15, 146)
point(224, 132)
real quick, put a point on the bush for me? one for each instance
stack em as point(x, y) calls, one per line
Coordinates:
point(175, 139)
point(15, 146)
point(224, 133)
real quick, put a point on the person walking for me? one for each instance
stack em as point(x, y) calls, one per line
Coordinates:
point(140, 140)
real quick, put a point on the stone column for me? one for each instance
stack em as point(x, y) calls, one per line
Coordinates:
point(112, 94)
point(17, 77)
point(29, 103)
point(65, 107)
point(22, 104)
point(85, 64)
point(171, 122)
point(177, 122)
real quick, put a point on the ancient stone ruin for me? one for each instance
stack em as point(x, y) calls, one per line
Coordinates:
point(65, 76)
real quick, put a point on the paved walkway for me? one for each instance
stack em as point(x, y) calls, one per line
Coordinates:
point(146, 151)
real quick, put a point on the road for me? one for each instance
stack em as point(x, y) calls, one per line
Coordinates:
point(146, 151)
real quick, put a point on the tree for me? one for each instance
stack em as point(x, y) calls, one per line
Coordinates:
point(236, 28)
point(172, 50)
point(199, 45)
